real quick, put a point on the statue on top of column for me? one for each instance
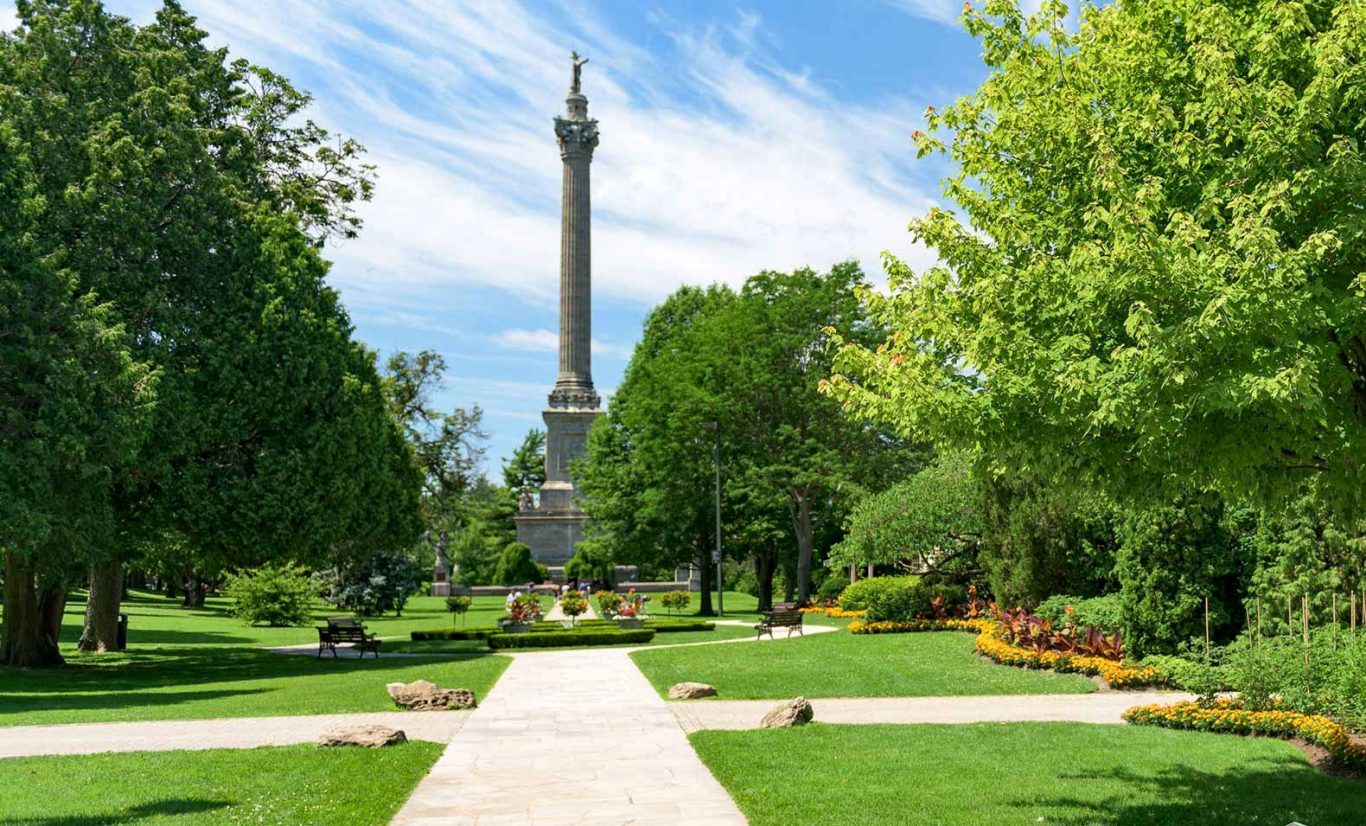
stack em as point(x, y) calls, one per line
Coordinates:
point(578, 72)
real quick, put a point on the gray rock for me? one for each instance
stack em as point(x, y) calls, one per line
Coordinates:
point(370, 736)
point(421, 695)
point(789, 713)
point(691, 691)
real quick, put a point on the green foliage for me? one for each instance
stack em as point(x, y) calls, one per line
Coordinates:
point(1150, 278)
point(746, 367)
point(832, 588)
point(1104, 613)
point(524, 471)
point(472, 633)
point(1043, 539)
point(274, 594)
point(860, 595)
point(924, 521)
point(516, 567)
point(573, 603)
point(565, 639)
point(675, 601)
point(1170, 560)
point(372, 585)
point(590, 564)
point(609, 603)
point(525, 609)
point(458, 605)
point(1328, 676)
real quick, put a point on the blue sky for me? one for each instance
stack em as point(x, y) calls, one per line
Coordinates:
point(735, 137)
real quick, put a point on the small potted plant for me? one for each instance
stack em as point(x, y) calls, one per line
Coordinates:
point(632, 612)
point(573, 603)
point(458, 605)
point(609, 604)
point(522, 612)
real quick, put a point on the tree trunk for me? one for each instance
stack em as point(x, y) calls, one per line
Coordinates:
point(703, 560)
point(764, 567)
point(101, 631)
point(194, 591)
point(806, 541)
point(51, 609)
point(24, 642)
point(169, 584)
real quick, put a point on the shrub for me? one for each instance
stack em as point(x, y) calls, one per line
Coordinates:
point(675, 601)
point(1190, 673)
point(897, 599)
point(516, 567)
point(831, 589)
point(1103, 613)
point(857, 596)
point(609, 603)
point(371, 585)
point(272, 594)
point(670, 626)
point(563, 639)
point(573, 603)
point(1278, 672)
point(457, 606)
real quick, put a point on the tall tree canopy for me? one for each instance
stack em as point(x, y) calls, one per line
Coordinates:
point(1154, 277)
point(752, 363)
point(182, 199)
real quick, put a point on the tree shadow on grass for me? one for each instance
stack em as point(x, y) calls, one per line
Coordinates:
point(1276, 790)
point(133, 814)
point(72, 702)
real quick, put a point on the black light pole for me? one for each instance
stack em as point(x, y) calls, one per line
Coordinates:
point(716, 457)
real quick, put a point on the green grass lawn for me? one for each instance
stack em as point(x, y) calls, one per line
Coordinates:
point(1022, 773)
point(198, 683)
point(292, 784)
point(155, 622)
point(847, 665)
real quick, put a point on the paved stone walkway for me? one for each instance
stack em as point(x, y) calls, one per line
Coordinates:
point(1104, 707)
point(570, 737)
point(230, 733)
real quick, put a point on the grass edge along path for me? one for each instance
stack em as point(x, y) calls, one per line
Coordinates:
point(190, 684)
point(300, 785)
point(928, 664)
point(1021, 773)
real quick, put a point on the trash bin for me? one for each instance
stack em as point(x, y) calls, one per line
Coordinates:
point(122, 644)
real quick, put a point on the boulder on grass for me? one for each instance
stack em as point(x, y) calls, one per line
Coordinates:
point(789, 713)
point(421, 695)
point(691, 691)
point(370, 736)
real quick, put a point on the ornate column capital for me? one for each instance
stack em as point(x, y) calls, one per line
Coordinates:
point(576, 137)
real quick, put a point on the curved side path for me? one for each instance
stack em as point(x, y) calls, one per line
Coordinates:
point(225, 733)
point(1105, 707)
point(570, 737)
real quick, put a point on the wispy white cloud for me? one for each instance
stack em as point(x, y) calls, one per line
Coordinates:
point(548, 341)
point(767, 171)
point(948, 12)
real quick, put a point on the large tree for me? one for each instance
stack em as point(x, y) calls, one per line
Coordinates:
point(747, 365)
point(189, 195)
point(1153, 277)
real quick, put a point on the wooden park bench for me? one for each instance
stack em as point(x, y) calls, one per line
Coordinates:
point(791, 620)
point(341, 630)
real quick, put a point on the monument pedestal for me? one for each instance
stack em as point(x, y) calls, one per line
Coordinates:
point(554, 528)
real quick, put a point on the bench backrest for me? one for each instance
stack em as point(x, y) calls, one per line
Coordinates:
point(347, 633)
point(784, 618)
point(342, 622)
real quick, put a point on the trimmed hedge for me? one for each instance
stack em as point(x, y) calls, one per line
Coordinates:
point(566, 638)
point(472, 633)
point(669, 626)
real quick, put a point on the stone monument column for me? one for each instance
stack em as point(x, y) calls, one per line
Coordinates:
point(554, 525)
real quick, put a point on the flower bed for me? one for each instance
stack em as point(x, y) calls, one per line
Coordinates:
point(1228, 717)
point(911, 626)
point(832, 611)
point(992, 644)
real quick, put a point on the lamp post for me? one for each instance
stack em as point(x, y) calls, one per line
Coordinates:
point(715, 427)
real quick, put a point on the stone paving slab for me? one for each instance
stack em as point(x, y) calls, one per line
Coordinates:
point(1103, 707)
point(570, 737)
point(227, 733)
